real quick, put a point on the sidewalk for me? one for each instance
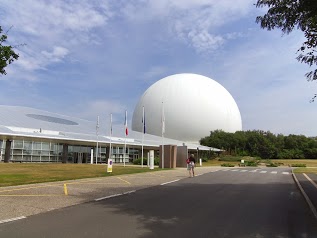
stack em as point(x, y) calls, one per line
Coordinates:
point(26, 200)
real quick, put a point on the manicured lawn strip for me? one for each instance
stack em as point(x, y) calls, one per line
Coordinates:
point(306, 170)
point(309, 163)
point(217, 163)
point(17, 174)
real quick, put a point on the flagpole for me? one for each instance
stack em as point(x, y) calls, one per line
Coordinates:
point(143, 122)
point(163, 131)
point(97, 133)
point(126, 133)
point(110, 150)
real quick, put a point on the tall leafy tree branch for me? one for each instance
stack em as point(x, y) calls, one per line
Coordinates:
point(299, 14)
point(7, 54)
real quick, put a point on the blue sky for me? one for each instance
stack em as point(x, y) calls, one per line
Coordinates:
point(86, 58)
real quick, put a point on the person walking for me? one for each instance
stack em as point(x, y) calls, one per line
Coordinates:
point(191, 165)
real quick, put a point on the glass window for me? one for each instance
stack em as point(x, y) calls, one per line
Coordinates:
point(70, 148)
point(27, 145)
point(17, 158)
point(17, 152)
point(18, 144)
point(36, 158)
point(45, 158)
point(27, 158)
point(36, 145)
point(45, 146)
point(45, 152)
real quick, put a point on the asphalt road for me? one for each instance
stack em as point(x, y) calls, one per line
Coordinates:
point(235, 203)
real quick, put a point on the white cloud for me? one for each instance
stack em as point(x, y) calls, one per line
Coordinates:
point(56, 55)
point(195, 22)
point(203, 41)
point(51, 17)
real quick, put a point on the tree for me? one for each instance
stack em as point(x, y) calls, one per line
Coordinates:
point(7, 54)
point(289, 14)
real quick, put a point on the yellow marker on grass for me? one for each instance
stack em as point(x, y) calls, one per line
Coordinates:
point(65, 189)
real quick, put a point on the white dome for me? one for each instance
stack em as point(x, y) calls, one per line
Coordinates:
point(194, 105)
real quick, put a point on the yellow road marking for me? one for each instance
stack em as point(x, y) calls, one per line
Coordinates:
point(124, 180)
point(31, 195)
point(93, 183)
point(18, 189)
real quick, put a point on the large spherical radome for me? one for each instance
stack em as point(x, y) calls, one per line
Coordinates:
point(193, 106)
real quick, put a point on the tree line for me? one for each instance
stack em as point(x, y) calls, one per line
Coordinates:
point(263, 144)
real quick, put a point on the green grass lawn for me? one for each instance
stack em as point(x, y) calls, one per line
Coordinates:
point(17, 174)
point(306, 170)
point(308, 162)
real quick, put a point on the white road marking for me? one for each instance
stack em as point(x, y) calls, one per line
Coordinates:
point(274, 172)
point(234, 170)
point(12, 219)
point(263, 172)
point(111, 196)
point(310, 180)
point(310, 204)
point(285, 172)
point(170, 182)
point(244, 170)
point(133, 191)
point(253, 171)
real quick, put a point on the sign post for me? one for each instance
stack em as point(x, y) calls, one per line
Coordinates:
point(109, 167)
point(151, 159)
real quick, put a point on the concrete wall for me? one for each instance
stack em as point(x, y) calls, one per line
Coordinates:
point(170, 153)
point(182, 155)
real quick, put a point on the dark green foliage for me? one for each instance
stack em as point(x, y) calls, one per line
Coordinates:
point(230, 158)
point(298, 165)
point(252, 163)
point(7, 55)
point(139, 161)
point(263, 144)
point(204, 159)
point(289, 14)
point(227, 165)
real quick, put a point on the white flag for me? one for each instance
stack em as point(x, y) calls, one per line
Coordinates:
point(97, 126)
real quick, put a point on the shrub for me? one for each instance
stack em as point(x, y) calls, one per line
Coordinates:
point(298, 165)
point(138, 161)
point(251, 163)
point(230, 158)
point(271, 165)
point(204, 159)
point(227, 165)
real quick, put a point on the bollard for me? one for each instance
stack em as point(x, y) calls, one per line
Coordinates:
point(200, 162)
point(65, 189)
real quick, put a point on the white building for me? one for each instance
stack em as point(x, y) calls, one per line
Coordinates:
point(31, 135)
point(193, 106)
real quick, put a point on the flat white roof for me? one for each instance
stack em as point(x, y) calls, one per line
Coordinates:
point(18, 122)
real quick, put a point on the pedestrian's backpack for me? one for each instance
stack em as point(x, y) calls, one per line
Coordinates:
point(187, 161)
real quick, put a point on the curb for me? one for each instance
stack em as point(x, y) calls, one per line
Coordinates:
point(310, 204)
